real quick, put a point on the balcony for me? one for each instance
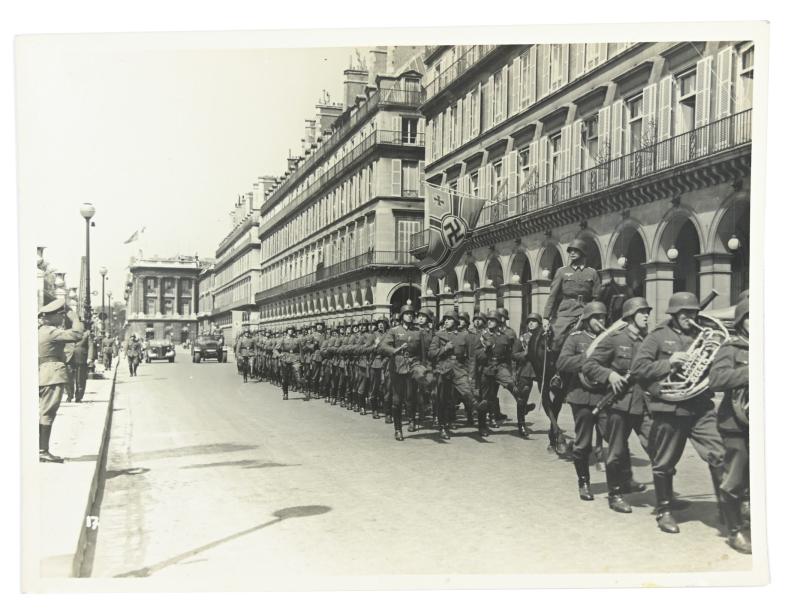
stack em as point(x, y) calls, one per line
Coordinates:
point(469, 58)
point(358, 153)
point(363, 261)
point(409, 98)
point(661, 158)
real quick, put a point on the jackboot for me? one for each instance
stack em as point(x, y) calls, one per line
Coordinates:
point(483, 428)
point(443, 433)
point(615, 490)
point(584, 491)
point(664, 518)
point(398, 435)
point(44, 446)
point(731, 510)
point(363, 401)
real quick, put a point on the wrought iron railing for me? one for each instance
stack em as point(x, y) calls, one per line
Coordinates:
point(405, 97)
point(360, 261)
point(463, 62)
point(362, 149)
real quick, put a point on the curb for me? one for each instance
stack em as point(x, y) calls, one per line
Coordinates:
point(87, 537)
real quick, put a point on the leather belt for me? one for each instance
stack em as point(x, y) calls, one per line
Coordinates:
point(47, 359)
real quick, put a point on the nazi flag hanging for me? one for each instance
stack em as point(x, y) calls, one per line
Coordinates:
point(451, 217)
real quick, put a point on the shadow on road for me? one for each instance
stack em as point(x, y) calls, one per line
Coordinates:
point(245, 463)
point(130, 471)
point(298, 511)
point(185, 451)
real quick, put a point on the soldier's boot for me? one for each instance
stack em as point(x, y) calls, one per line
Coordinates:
point(398, 435)
point(483, 428)
point(375, 408)
point(412, 424)
point(388, 411)
point(444, 434)
point(582, 470)
point(470, 416)
point(717, 472)
point(615, 500)
point(664, 518)
point(737, 539)
point(521, 428)
point(363, 402)
point(44, 446)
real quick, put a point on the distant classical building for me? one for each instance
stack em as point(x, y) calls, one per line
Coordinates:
point(205, 307)
point(162, 297)
point(335, 227)
point(641, 149)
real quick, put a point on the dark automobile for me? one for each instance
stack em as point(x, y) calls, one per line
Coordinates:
point(209, 347)
point(159, 349)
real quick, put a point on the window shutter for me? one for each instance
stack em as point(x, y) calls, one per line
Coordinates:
point(503, 114)
point(602, 52)
point(467, 125)
point(580, 59)
point(564, 76)
point(617, 128)
point(446, 131)
point(515, 86)
point(398, 135)
point(533, 161)
point(421, 128)
point(665, 88)
point(545, 69)
point(565, 162)
point(577, 144)
point(512, 168)
point(476, 115)
point(421, 176)
point(532, 62)
point(703, 110)
point(459, 135)
point(397, 168)
point(488, 98)
point(649, 114)
point(724, 88)
point(544, 150)
point(483, 182)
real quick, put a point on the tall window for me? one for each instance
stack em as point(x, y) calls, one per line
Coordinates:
point(525, 79)
point(454, 127)
point(523, 169)
point(635, 127)
point(409, 130)
point(589, 142)
point(687, 90)
point(405, 227)
point(555, 66)
point(410, 179)
point(496, 185)
point(473, 184)
point(475, 112)
point(555, 158)
point(744, 99)
point(497, 96)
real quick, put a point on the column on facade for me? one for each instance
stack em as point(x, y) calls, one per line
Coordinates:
point(617, 275)
point(716, 274)
point(466, 301)
point(540, 290)
point(658, 281)
point(487, 297)
point(512, 300)
point(429, 301)
point(446, 301)
point(382, 310)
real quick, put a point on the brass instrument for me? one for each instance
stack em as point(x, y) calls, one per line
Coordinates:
point(692, 378)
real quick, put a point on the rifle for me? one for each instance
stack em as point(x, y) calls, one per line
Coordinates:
point(612, 397)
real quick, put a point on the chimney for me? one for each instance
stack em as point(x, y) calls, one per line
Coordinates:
point(377, 62)
point(400, 58)
point(354, 83)
point(327, 113)
point(310, 134)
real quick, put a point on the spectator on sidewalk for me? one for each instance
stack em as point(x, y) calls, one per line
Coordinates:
point(76, 355)
point(108, 350)
point(52, 367)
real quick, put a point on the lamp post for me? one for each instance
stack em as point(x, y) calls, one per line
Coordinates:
point(103, 317)
point(110, 313)
point(87, 212)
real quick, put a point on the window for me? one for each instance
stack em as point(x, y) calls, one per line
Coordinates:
point(453, 185)
point(524, 79)
point(592, 55)
point(409, 186)
point(555, 158)
point(406, 226)
point(409, 130)
point(589, 142)
point(744, 99)
point(454, 127)
point(475, 112)
point(496, 184)
point(557, 79)
point(687, 89)
point(523, 169)
point(473, 184)
point(497, 96)
point(635, 128)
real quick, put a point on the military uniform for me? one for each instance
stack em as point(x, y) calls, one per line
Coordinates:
point(134, 355)
point(673, 423)
point(245, 351)
point(290, 349)
point(400, 366)
point(495, 358)
point(76, 355)
point(375, 373)
point(571, 288)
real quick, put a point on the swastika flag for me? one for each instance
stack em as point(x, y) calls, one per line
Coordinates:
point(451, 219)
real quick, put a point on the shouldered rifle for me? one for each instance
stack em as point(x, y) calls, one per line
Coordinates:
point(612, 397)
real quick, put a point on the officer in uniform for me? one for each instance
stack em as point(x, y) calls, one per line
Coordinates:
point(573, 286)
point(107, 347)
point(729, 374)
point(341, 359)
point(314, 345)
point(52, 368)
point(581, 399)
point(496, 359)
point(421, 370)
point(290, 349)
point(361, 355)
point(661, 352)
point(327, 364)
point(76, 355)
point(450, 349)
point(397, 345)
point(609, 366)
point(375, 363)
point(134, 354)
point(245, 351)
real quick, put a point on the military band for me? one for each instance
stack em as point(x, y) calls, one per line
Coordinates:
point(617, 380)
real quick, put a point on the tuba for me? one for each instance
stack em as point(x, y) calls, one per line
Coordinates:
point(692, 378)
point(586, 383)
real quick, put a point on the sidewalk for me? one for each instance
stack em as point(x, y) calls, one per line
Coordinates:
point(68, 490)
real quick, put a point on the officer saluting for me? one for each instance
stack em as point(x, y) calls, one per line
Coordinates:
point(52, 368)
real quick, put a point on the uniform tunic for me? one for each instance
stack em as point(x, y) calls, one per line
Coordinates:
point(571, 288)
point(52, 368)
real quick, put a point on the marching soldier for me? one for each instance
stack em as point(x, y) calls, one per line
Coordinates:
point(134, 354)
point(397, 345)
point(661, 352)
point(609, 366)
point(421, 371)
point(581, 399)
point(107, 347)
point(573, 286)
point(314, 343)
point(526, 374)
point(290, 348)
point(52, 368)
point(729, 374)
point(244, 352)
point(496, 360)
point(361, 355)
point(327, 364)
point(376, 369)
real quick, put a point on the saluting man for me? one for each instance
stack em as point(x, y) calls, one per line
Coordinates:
point(52, 368)
point(573, 286)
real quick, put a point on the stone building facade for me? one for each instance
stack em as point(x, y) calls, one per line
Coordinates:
point(642, 149)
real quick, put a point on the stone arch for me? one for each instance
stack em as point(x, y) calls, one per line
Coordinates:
point(359, 299)
point(451, 281)
point(432, 284)
point(621, 240)
point(368, 297)
point(551, 258)
point(400, 293)
point(493, 270)
point(667, 232)
point(471, 276)
point(522, 267)
point(728, 220)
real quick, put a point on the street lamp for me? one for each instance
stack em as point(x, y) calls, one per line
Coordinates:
point(110, 313)
point(103, 317)
point(87, 212)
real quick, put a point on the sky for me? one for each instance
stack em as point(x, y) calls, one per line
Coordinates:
point(165, 138)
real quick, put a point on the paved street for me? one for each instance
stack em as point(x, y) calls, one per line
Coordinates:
point(207, 475)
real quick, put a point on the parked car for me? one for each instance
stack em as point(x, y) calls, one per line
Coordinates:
point(159, 349)
point(209, 347)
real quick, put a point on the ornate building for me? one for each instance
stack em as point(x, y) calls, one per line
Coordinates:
point(162, 297)
point(335, 227)
point(642, 149)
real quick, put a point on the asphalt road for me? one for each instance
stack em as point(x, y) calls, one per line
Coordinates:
point(208, 476)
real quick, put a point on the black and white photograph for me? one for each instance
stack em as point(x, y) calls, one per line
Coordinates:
point(392, 309)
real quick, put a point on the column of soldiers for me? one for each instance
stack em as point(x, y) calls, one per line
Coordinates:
point(416, 369)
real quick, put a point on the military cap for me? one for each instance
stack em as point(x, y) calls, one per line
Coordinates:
point(451, 313)
point(406, 309)
point(593, 308)
point(52, 307)
point(480, 315)
point(427, 313)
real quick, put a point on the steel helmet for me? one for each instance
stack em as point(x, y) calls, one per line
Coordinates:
point(682, 301)
point(464, 315)
point(364, 323)
point(593, 308)
point(533, 317)
point(395, 316)
point(427, 313)
point(451, 313)
point(577, 244)
point(481, 316)
point(492, 314)
point(406, 309)
point(633, 305)
point(503, 311)
point(744, 294)
point(742, 310)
